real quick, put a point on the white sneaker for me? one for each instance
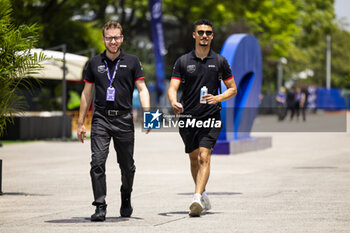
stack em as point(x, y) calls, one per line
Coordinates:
point(205, 202)
point(196, 207)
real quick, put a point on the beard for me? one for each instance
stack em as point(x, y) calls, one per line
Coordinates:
point(110, 50)
point(203, 43)
point(113, 51)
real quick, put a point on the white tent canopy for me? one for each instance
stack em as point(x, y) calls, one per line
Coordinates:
point(53, 67)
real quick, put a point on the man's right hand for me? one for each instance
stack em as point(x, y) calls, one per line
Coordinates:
point(178, 108)
point(81, 132)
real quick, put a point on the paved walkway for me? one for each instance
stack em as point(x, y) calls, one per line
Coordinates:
point(301, 184)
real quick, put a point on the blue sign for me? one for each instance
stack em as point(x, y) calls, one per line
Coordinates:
point(155, 8)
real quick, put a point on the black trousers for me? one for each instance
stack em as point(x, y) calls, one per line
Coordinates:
point(281, 111)
point(121, 130)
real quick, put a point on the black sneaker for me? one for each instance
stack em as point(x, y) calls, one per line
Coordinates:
point(126, 208)
point(100, 213)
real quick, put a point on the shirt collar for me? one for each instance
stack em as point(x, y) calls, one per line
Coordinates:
point(105, 58)
point(210, 54)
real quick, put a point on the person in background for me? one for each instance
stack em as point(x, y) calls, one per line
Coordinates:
point(304, 102)
point(291, 102)
point(281, 104)
point(298, 102)
point(136, 105)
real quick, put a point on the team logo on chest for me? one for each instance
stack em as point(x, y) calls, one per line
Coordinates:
point(191, 68)
point(101, 68)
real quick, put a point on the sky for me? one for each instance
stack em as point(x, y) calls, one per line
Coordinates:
point(342, 9)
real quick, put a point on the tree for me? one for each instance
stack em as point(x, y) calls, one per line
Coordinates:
point(284, 28)
point(57, 24)
point(178, 35)
point(291, 29)
point(316, 20)
point(15, 62)
point(53, 18)
point(340, 59)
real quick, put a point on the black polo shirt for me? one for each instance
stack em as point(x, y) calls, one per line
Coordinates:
point(198, 73)
point(129, 71)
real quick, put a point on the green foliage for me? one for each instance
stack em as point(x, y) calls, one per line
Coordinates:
point(340, 59)
point(309, 50)
point(54, 23)
point(16, 62)
point(273, 22)
point(285, 28)
point(95, 37)
point(316, 20)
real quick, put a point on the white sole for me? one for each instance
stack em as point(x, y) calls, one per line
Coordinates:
point(195, 209)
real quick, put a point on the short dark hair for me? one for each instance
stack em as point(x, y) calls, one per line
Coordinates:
point(201, 22)
point(111, 24)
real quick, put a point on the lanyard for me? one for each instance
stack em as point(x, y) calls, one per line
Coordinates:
point(115, 71)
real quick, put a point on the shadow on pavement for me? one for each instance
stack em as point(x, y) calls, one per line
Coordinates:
point(23, 194)
point(167, 214)
point(173, 213)
point(215, 193)
point(87, 220)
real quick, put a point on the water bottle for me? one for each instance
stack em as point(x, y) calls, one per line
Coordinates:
point(204, 91)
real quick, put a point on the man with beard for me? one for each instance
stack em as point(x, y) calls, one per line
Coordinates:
point(201, 72)
point(113, 74)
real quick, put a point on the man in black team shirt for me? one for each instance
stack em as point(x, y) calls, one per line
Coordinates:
point(201, 71)
point(113, 74)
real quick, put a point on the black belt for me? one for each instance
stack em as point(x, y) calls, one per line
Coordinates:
point(112, 112)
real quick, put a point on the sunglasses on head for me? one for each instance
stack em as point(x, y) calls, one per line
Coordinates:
point(201, 32)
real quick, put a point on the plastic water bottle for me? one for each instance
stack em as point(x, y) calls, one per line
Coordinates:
point(204, 91)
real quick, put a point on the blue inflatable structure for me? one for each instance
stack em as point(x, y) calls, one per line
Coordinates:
point(243, 53)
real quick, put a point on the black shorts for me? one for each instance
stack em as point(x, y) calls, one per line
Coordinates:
point(194, 137)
